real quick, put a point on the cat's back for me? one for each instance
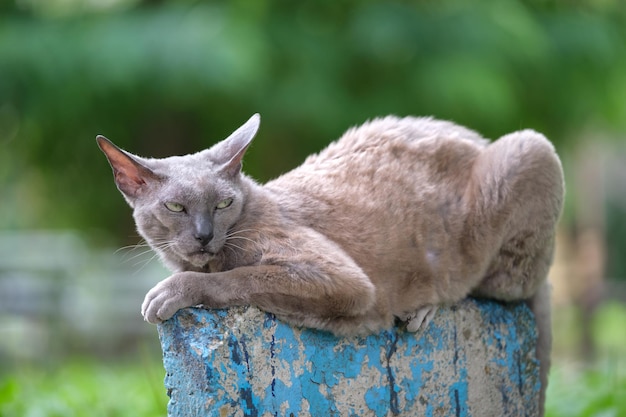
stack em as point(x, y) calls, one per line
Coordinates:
point(384, 190)
point(396, 134)
point(391, 150)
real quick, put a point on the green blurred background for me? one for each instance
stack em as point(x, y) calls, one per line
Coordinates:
point(164, 77)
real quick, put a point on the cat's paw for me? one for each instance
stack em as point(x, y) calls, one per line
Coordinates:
point(420, 318)
point(166, 298)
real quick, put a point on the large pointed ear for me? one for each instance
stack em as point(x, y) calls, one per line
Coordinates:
point(131, 177)
point(229, 152)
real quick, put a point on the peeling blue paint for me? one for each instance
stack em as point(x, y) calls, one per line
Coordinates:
point(243, 362)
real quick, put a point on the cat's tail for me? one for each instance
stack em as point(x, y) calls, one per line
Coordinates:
point(540, 306)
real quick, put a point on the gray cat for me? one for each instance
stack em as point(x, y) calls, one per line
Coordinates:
point(397, 217)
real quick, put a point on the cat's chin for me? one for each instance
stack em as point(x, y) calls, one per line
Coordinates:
point(199, 259)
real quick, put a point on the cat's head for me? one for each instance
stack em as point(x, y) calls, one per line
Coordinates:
point(184, 206)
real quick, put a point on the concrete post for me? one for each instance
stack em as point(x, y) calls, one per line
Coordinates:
point(474, 359)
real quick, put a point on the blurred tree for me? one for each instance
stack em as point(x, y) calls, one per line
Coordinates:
point(170, 77)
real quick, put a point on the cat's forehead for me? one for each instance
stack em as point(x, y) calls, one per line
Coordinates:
point(188, 166)
point(197, 188)
point(192, 175)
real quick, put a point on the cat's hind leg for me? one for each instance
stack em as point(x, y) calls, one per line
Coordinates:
point(517, 194)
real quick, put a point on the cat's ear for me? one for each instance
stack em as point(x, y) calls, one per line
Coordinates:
point(131, 176)
point(229, 152)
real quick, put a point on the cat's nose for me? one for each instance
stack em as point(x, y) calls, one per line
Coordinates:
point(204, 229)
point(204, 238)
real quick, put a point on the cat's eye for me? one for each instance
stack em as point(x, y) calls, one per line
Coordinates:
point(224, 203)
point(175, 207)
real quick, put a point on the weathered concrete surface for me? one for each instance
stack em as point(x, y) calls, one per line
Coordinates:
point(474, 359)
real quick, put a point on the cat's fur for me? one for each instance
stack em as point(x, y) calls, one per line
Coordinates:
point(397, 217)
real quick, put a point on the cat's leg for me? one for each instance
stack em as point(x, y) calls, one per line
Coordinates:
point(337, 303)
point(320, 286)
point(517, 195)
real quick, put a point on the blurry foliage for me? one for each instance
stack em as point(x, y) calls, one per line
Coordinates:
point(615, 238)
point(171, 77)
point(592, 392)
point(85, 388)
point(596, 388)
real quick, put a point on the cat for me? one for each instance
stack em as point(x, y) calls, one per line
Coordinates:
point(398, 217)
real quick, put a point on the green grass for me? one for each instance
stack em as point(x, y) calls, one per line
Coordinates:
point(583, 390)
point(85, 388)
point(590, 391)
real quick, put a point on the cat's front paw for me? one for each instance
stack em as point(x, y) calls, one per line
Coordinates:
point(166, 298)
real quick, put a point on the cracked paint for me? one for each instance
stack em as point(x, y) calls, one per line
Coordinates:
point(474, 359)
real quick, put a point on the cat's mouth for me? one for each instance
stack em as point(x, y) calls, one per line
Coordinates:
point(201, 256)
point(204, 252)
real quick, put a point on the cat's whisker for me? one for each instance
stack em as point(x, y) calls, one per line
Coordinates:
point(253, 244)
point(138, 255)
point(155, 247)
point(127, 250)
point(231, 245)
point(145, 263)
point(232, 250)
point(141, 244)
point(236, 232)
point(242, 238)
point(163, 245)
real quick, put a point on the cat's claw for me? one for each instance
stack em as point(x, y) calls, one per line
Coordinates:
point(420, 318)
